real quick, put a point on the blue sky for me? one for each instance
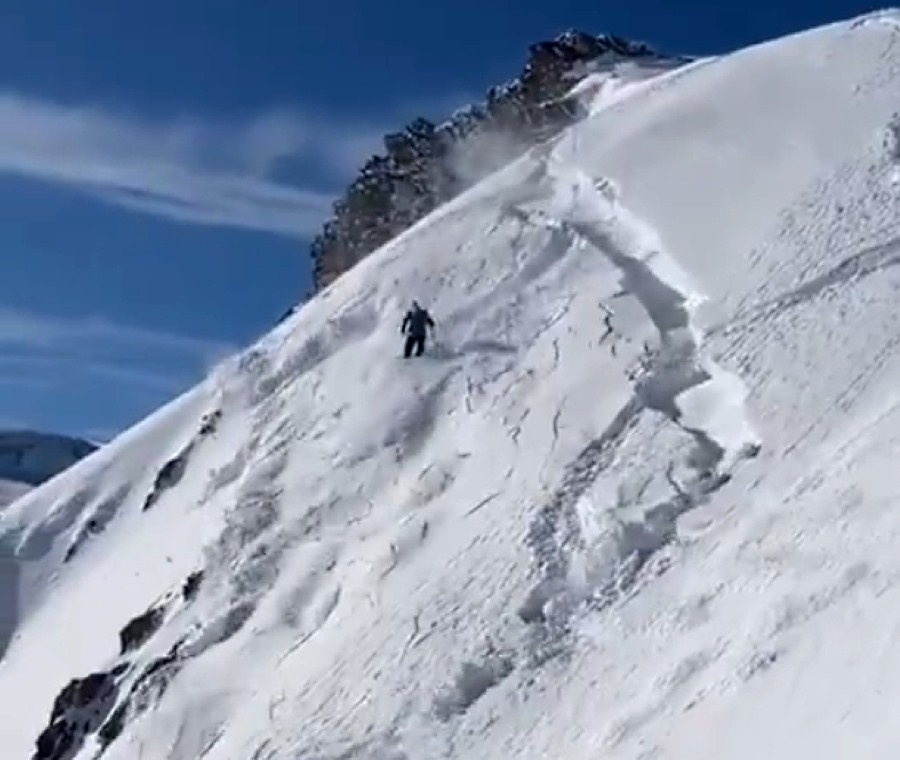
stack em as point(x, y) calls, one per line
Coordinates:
point(163, 164)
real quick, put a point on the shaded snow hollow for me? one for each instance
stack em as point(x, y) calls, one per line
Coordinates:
point(635, 503)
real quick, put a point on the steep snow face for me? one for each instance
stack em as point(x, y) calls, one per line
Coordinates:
point(635, 502)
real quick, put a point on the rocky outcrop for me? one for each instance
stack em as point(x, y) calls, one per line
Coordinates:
point(99, 706)
point(145, 692)
point(79, 710)
point(210, 422)
point(172, 472)
point(101, 703)
point(169, 476)
point(425, 164)
point(138, 630)
point(191, 586)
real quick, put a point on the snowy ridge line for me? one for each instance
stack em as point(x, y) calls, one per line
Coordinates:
point(888, 16)
point(675, 379)
point(605, 96)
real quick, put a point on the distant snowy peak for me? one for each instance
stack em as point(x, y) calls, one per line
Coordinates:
point(30, 458)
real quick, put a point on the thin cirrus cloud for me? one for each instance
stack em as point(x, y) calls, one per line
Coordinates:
point(187, 170)
point(43, 346)
point(37, 371)
point(42, 355)
point(39, 332)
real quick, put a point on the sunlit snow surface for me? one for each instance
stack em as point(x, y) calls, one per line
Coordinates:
point(639, 500)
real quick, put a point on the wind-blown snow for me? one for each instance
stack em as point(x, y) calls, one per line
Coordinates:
point(611, 84)
point(636, 502)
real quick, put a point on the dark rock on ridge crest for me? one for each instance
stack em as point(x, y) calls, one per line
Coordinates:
point(425, 165)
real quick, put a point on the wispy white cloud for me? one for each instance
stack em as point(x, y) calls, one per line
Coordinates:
point(187, 169)
point(136, 377)
point(276, 172)
point(49, 351)
point(46, 359)
point(42, 333)
point(48, 369)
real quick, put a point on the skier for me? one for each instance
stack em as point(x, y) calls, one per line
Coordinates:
point(415, 327)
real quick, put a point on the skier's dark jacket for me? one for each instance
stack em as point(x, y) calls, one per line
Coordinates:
point(416, 322)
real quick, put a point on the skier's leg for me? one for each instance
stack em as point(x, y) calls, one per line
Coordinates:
point(420, 345)
point(408, 346)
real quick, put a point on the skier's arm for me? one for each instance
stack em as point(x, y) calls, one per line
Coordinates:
point(406, 321)
point(430, 321)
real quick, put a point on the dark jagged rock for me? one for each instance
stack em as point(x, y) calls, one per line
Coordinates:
point(425, 164)
point(210, 422)
point(192, 586)
point(114, 725)
point(146, 691)
point(79, 693)
point(169, 476)
point(78, 710)
point(171, 473)
point(286, 314)
point(140, 629)
point(91, 705)
point(99, 705)
point(153, 682)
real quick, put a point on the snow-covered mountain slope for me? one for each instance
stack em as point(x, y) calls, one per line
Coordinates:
point(29, 458)
point(636, 503)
